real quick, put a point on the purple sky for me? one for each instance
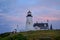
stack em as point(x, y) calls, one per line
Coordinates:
point(13, 12)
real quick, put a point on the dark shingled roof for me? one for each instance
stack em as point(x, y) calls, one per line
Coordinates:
point(40, 25)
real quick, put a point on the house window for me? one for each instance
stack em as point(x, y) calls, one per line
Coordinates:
point(44, 25)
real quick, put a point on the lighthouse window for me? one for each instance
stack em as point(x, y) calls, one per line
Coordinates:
point(29, 22)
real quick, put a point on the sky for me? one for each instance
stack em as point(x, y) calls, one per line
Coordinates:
point(13, 12)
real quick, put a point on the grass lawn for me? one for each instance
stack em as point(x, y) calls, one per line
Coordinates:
point(36, 35)
point(42, 34)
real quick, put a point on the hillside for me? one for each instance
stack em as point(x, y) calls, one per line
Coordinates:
point(32, 35)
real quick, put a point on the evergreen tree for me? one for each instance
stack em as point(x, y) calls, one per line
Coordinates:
point(51, 27)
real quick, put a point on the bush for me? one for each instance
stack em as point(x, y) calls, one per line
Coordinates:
point(57, 38)
point(4, 35)
point(0, 37)
point(16, 37)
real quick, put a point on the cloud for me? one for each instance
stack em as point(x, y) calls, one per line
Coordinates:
point(45, 11)
point(14, 11)
point(14, 18)
point(49, 18)
point(45, 18)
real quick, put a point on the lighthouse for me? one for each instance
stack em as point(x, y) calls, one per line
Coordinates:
point(29, 21)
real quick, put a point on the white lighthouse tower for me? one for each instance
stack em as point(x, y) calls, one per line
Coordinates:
point(29, 21)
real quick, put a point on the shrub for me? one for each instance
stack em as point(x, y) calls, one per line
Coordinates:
point(16, 37)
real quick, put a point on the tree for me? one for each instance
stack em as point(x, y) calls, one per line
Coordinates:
point(51, 27)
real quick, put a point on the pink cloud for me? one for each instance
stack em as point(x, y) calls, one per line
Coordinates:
point(14, 18)
point(49, 18)
point(45, 18)
point(52, 13)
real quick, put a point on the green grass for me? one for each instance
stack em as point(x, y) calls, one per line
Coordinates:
point(34, 35)
point(51, 34)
